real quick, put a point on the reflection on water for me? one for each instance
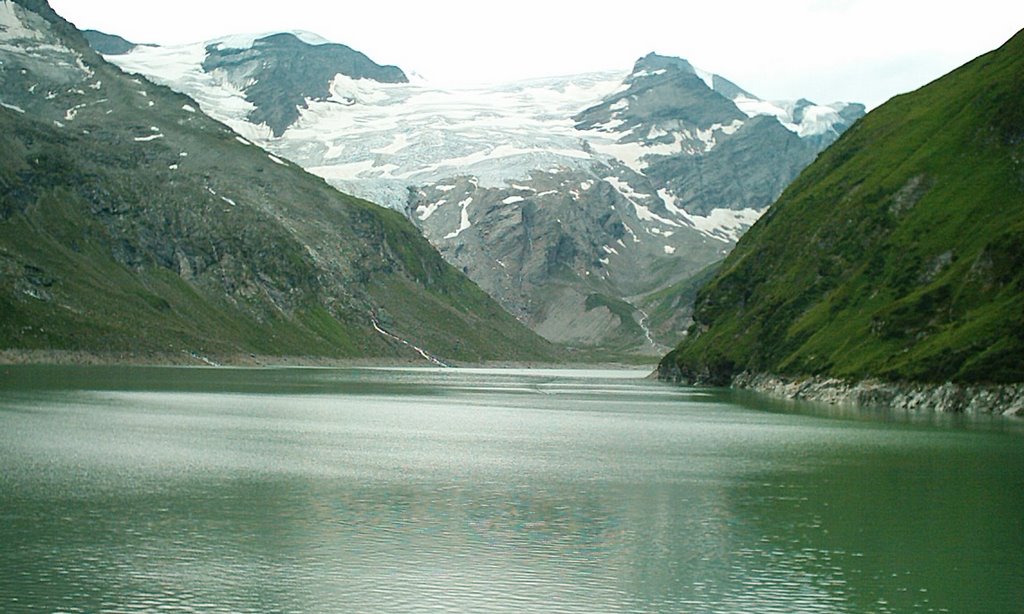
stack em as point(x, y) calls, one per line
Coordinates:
point(210, 490)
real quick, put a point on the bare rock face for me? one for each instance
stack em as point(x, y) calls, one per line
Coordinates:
point(1005, 400)
point(679, 172)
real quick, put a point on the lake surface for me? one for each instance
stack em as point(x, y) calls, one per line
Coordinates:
point(379, 491)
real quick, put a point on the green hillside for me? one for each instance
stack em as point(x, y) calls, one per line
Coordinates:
point(132, 223)
point(898, 254)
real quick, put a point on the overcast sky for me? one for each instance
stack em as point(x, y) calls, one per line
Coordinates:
point(824, 50)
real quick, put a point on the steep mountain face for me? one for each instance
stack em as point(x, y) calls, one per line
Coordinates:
point(898, 254)
point(108, 44)
point(570, 200)
point(131, 222)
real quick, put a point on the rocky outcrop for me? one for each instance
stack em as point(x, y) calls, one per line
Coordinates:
point(1007, 399)
point(997, 399)
point(108, 44)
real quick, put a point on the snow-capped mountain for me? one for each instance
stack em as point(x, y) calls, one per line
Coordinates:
point(568, 199)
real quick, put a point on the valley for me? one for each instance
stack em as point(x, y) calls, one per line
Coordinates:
point(576, 202)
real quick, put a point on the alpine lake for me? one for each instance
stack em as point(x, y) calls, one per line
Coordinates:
point(160, 489)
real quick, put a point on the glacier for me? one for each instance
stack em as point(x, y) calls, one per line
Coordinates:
point(376, 140)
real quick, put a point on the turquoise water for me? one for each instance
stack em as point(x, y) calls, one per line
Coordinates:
point(374, 490)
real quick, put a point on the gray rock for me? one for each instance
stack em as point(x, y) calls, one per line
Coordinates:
point(108, 44)
point(1007, 400)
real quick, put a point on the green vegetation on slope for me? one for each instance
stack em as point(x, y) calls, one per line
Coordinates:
point(898, 254)
point(130, 222)
point(671, 308)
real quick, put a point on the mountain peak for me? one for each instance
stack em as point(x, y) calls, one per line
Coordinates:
point(108, 44)
point(280, 72)
point(288, 38)
point(653, 62)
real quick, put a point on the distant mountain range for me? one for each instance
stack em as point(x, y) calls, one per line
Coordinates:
point(898, 255)
point(132, 223)
point(580, 203)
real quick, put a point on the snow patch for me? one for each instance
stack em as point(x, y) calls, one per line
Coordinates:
point(464, 223)
point(670, 250)
point(643, 213)
point(146, 139)
point(632, 154)
point(511, 200)
point(816, 120)
point(706, 77)
point(726, 225)
point(425, 211)
point(348, 91)
point(277, 160)
point(426, 355)
point(401, 142)
point(649, 73)
point(72, 113)
point(11, 27)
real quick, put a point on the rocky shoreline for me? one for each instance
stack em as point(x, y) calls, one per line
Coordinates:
point(1007, 400)
point(993, 399)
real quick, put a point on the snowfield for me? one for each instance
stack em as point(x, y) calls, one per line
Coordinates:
point(377, 140)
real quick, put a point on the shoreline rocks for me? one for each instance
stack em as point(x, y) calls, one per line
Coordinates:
point(1006, 399)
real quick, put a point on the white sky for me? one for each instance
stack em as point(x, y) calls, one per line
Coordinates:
point(824, 50)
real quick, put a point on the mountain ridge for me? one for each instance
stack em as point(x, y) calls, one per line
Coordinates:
point(132, 223)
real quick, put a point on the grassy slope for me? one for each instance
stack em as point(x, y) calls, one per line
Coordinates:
point(898, 254)
point(105, 247)
point(671, 308)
